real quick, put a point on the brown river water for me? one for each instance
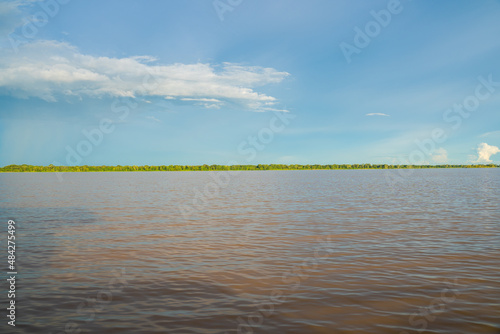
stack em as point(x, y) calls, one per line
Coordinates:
point(348, 251)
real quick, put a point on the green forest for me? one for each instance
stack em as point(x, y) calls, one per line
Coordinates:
point(166, 168)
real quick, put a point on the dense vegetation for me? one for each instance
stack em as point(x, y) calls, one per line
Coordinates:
point(51, 168)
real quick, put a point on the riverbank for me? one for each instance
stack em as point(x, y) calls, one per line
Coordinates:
point(172, 168)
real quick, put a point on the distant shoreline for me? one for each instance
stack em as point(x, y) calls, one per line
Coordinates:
point(259, 167)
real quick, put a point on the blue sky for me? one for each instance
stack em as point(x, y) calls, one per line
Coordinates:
point(219, 82)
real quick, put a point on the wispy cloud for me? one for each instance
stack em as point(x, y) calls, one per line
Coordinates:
point(490, 134)
point(50, 70)
point(211, 106)
point(485, 152)
point(200, 100)
point(154, 119)
point(377, 114)
point(208, 103)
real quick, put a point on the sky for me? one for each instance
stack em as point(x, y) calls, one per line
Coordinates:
point(143, 82)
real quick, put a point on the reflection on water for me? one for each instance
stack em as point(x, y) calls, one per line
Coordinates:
point(274, 252)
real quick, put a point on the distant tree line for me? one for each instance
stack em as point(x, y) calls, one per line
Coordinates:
point(146, 168)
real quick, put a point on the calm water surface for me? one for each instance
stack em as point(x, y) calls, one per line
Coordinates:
point(270, 252)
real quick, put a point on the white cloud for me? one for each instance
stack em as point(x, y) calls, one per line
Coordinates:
point(377, 114)
point(201, 100)
point(211, 106)
point(153, 119)
point(485, 152)
point(440, 156)
point(206, 102)
point(50, 70)
point(491, 134)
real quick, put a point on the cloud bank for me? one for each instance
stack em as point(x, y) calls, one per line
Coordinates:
point(440, 156)
point(485, 152)
point(51, 70)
